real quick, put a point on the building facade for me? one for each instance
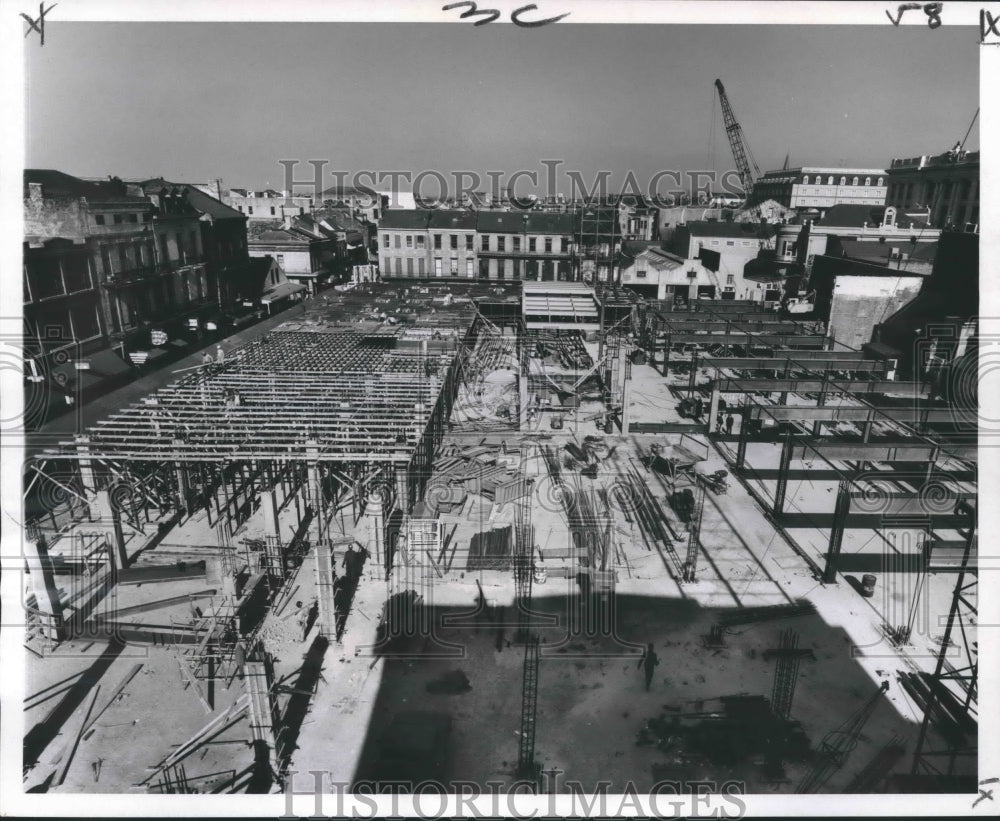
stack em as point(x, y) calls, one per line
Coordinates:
point(526, 246)
point(724, 248)
point(822, 188)
point(105, 265)
point(946, 185)
point(862, 231)
point(417, 243)
point(267, 204)
point(655, 273)
point(304, 252)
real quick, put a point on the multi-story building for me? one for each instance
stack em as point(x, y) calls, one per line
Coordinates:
point(305, 253)
point(223, 238)
point(525, 245)
point(724, 248)
point(655, 273)
point(419, 243)
point(946, 185)
point(107, 265)
point(363, 203)
point(862, 231)
point(822, 188)
point(267, 204)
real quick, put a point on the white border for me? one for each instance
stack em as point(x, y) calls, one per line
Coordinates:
point(12, 43)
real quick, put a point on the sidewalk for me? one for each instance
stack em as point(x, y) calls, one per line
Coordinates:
point(64, 427)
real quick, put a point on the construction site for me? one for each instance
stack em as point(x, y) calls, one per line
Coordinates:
point(439, 532)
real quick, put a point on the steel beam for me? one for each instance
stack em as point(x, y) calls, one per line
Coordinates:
point(815, 341)
point(882, 451)
point(913, 390)
point(854, 413)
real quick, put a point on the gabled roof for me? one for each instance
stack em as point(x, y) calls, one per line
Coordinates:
point(282, 235)
point(204, 203)
point(59, 184)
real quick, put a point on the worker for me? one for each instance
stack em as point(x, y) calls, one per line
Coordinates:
point(206, 359)
point(718, 421)
point(220, 355)
point(730, 421)
point(648, 662)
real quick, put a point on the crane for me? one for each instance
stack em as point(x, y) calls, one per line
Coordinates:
point(746, 165)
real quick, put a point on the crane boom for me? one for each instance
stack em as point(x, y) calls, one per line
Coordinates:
point(746, 165)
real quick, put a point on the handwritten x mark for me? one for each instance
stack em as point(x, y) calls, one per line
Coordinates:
point(38, 24)
point(985, 793)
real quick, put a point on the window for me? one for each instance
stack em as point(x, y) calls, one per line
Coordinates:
point(240, 207)
point(454, 266)
point(99, 219)
point(397, 242)
point(437, 266)
point(501, 244)
point(854, 181)
point(730, 242)
point(879, 181)
point(533, 244)
point(421, 242)
point(249, 209)
point(302, 210)
point(409, 266)
point(118, 219)
point(517, 243)
point(468, 242)
point(437, 242)
point(409, 240)
point(272, 210)
point(829, 180)
point(486, 242)
point(640, 274)
point(420, 267)
point(730, 279)
point(843, 180)
point(45, 279)
point(454, 242)
point(868, 180)
point(399, 266)
point(281, 260)
point(385, 240)
point(469, 271)
point(805, 180)
point(548, 245)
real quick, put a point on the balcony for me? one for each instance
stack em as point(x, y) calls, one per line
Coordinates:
point(523, 254)
point(122, 279)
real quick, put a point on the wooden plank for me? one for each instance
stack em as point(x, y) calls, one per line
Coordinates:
point(131, 674)
point(67, 758)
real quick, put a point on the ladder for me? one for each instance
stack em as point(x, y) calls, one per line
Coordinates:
point(526, 766)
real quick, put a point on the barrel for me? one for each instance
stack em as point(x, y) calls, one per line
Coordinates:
point(868, 585)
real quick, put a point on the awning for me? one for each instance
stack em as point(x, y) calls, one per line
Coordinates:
point(285, 289)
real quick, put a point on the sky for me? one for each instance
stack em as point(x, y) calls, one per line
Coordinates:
point(197, 102)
